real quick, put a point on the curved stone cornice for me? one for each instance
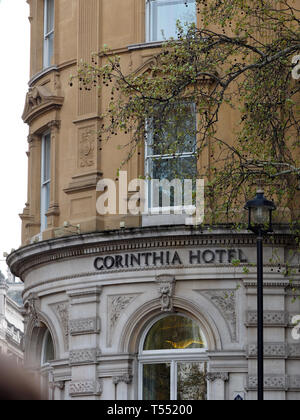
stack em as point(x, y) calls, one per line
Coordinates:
point(132, 240)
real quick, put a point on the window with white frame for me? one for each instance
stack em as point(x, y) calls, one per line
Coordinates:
point(48, 32)
point(45, 178)
point(171, 159)
point(172, 360)
point(162, 17)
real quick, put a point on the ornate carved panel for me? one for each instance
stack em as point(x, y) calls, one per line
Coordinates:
point(271, 382)
point(225, 301)
point(84, 326)
point(86, 147)
point(82, 357)
point(116, 305)
point(85, 388)
point(62, 312)
point(271, 318)
point(271, 350)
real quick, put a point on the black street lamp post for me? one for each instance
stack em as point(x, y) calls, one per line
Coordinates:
point(260, 222)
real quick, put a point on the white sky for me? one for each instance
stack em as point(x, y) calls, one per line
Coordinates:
point(14, 76)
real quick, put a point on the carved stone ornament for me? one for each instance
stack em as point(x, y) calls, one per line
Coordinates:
point(127, 379)
point(85, 388)
point(294, 382)
point(225, 301)
point(271, 382)
point(85, 326)
point(217, 376)
point(116, 305)
point(271, 350)
point(57, 384)
point(62, 312)
point(40, 99)
point(271, 318)
point(83, 357)
point(86, 147)
point(166, 290)
point(31, 308)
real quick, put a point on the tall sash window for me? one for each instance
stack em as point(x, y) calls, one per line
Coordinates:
point(45, 178)
point(48, 32)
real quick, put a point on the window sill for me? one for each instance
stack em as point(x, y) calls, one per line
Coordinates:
point(164, 219)
point(144, 45)
point(41, 74)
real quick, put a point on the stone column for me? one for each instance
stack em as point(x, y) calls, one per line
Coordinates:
point(216, 385)
point(122, 383)
point(84, 331)
point(53, 211)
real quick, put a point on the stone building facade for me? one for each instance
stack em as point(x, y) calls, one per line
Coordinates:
point(11, 320)
point(121, 307)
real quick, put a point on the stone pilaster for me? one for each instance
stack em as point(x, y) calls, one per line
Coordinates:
point(84, 330)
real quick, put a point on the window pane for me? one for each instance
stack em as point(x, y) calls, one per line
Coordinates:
point(48, 32)
point(177, 169)
point(174, 333)
point(156, 382)
point(48, 351)
point(191, 381)
point(165, 13)
point(46, 157)
point(173, 130)
point(49, 18)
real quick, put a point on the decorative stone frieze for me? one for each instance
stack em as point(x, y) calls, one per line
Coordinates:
point(85, 326)
point(271, 351)
point(276, 383)
point(271, 383)
point(294, 351)
point(271, 318)
point(294, 383)
point(86, 388)
point(166, 290)
point(84, 357)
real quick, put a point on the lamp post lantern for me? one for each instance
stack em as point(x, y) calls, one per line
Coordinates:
point(260, 222)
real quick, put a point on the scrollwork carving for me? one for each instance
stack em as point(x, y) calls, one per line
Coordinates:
point(32, 312)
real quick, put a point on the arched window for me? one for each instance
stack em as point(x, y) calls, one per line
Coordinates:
point(47, 349)
point(173, 360)
point(162, 16)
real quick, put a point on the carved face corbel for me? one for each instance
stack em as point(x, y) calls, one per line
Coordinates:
point(166, 289)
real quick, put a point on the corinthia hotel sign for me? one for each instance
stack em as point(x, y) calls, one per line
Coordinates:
point(170, 258)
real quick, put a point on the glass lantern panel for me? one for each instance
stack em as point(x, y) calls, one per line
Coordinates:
point(261, 216)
